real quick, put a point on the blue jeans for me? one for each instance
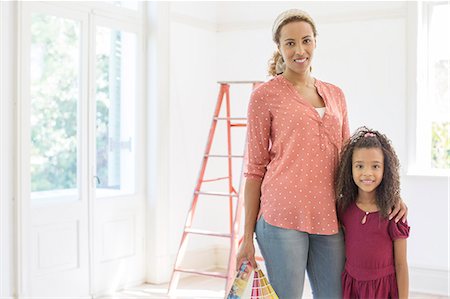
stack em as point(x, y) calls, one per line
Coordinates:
point(288, 253)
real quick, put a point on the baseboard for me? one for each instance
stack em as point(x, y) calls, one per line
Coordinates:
point(204, 258)
point(200, 259)
point(222, 255)
point(429, 281)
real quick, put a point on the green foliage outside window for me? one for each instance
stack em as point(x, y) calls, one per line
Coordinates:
point(440, 146)
point(55, 96)
point(102, 102)
point(440, 130)
point(54, 102)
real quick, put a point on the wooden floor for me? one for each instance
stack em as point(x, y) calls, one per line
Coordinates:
point(196, 287)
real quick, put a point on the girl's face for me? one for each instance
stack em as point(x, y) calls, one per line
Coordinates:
point(367, 168)
point(297, 44)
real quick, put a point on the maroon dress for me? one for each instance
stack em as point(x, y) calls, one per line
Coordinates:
point(369, 271)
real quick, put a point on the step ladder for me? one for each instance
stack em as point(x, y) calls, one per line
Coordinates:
point(232, 193)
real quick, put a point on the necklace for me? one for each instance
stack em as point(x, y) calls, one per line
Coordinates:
point(364, 219)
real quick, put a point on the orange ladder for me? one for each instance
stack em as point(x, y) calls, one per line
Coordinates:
point(231, 194)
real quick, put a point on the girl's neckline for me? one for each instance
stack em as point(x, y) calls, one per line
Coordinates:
point(366, 212)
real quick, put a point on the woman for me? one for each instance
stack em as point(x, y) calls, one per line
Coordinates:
point(297, 125)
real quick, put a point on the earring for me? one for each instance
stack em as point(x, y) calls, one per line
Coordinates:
point(280, 66)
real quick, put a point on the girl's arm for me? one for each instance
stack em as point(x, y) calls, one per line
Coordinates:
point(401, 268)
point(252, 194)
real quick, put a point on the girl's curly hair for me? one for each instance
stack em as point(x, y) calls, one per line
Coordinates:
point(388, 192)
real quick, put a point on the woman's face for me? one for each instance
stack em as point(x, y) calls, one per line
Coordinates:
point(297, 44)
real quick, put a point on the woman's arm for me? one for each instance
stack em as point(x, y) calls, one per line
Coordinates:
point(401, 268)
point(252, 194)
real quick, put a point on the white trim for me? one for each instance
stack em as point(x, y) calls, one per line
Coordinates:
point(213, 257)
point(429, 281)
point(421, 172)
point(265, 24)
point(89, 138)
point(375, 14)
point(100, 8)
point(412, 26)
point(8, 39)
point(22, 217)
point(194, 22)
point(418, 136)
point(1, 143)
point(159, 264)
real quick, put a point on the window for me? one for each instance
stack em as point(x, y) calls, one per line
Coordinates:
point(115, 97)
point(70, 125)
point(54, 97)
point(433, 105)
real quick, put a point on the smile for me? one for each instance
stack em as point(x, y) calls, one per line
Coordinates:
point(367, 182)
point(300, 60)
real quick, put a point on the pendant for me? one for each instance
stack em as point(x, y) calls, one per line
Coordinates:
point(363, 221)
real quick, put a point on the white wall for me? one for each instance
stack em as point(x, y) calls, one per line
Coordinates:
point(193, 96)
point(7, 96)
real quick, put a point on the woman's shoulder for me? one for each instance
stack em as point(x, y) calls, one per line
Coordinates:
point(272, 83)
point(273, 86)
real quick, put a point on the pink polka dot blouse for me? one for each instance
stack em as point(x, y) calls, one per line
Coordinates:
point(294, 152)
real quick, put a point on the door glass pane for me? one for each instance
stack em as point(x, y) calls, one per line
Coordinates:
point(115, 114)
point(55, 94)
point(439, 92)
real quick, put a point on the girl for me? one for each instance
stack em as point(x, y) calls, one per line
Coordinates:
point(367, 187)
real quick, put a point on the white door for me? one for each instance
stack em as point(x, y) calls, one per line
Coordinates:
point(81, 197)
point(52, 182)
point(119, 198)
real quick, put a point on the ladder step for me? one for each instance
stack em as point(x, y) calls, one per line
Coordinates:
point(239, 82)
point(216, 194)
point(207, 233)
point(230, 118)
point(238, 125)
point(217, 179)
point(224, 156)
point(205, 273)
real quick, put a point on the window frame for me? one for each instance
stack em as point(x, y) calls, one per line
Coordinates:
point(118, 24)
point(419, 153)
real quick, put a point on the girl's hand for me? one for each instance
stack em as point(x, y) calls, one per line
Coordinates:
point(246, 253)
point(400, 211)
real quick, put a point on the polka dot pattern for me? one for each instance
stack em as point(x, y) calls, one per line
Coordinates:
point(295, 152)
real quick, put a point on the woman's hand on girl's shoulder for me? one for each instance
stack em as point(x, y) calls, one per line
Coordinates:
point(400, 211)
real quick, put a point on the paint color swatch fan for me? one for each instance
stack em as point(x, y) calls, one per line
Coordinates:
point(260, 288)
